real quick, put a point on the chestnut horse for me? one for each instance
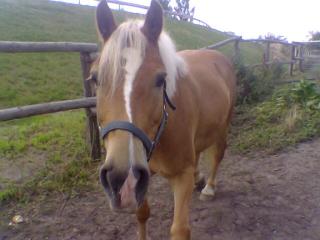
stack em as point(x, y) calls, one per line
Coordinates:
point(158, 110)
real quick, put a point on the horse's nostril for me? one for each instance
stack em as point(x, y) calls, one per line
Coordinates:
point(120, 184)
point(137, 172)
point(103, 179)
point(142, 176)
point(112, 180)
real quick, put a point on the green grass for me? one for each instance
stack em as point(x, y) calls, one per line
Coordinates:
point(280, 121)
point(76, 175)
point(59, 141)
point(10, 192)
point(41, 133)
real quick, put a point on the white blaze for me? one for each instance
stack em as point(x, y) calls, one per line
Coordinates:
point(133, 60)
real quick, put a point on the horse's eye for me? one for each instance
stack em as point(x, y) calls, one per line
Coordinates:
point(160, 78)
point(95, 77)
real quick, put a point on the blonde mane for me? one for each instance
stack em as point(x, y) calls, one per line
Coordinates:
point(129, 36)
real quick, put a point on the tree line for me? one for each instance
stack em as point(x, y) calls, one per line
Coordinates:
point(182, 9)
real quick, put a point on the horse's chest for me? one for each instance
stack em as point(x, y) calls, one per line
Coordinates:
point(168, 167)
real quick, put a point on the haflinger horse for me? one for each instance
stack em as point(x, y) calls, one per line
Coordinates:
point(158, 110)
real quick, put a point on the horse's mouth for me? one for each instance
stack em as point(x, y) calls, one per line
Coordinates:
point(126, 210)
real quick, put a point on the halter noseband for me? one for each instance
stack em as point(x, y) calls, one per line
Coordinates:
point(148, 144)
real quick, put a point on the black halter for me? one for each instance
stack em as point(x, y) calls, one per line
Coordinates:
point(148, 144)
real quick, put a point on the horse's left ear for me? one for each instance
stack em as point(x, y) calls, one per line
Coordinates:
point(152, 27)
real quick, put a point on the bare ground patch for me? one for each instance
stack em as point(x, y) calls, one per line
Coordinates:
point(259, 197)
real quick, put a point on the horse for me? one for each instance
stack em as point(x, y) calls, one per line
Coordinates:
point(158, 110)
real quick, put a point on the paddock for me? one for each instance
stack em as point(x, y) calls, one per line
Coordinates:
point(264, 199)
point(260, 196)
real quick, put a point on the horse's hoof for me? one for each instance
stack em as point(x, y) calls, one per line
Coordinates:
point(207, 193)
point(206, 198)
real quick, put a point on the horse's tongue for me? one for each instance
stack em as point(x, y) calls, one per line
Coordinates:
point(127, 191)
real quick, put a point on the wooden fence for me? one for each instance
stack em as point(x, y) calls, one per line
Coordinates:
point(310, 53)
point(88, 102)
point(295, 58)
point(87, 56)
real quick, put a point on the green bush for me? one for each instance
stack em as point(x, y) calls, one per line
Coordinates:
point(290, 115)
point(307, 94)
point(256, 84)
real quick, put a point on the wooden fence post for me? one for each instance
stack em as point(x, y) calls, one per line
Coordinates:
point(301, 56)
point(292, 58)
point(267, 54)
point(93, 136)
point(236, 57)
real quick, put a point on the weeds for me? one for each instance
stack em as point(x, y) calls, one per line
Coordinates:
point(307, 94)
point(11, 192)
point(58, 143)
point(289, 116)
point(74, 176)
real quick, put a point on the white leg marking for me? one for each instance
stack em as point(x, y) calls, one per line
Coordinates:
point(207, 193)
point(208, 190)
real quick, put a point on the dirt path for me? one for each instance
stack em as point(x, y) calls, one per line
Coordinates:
point(270, 197)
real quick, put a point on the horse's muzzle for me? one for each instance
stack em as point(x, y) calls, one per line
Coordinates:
point(125, 189)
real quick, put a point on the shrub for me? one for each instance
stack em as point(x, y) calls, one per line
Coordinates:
point(306, 94)
point(256, 84)
point(290, 115)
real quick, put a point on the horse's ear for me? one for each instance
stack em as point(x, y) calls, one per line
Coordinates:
point(152, 27)
point(105, 21)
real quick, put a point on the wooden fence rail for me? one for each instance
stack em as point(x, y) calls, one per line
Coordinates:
point(223, 43)
point(123, 3)
point(16, 47)
point(85, 50)
point(269, 41)
point(293, 59)
point(43, 108)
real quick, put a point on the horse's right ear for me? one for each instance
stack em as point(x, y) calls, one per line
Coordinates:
point(105, 21)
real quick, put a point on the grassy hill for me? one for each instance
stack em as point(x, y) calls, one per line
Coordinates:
point(52, 148)
point(27, 78)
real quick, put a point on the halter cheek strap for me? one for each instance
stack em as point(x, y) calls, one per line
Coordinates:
point(137, 132)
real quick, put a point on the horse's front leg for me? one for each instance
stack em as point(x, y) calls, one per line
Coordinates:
point(143, 213)
point(182, 186)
